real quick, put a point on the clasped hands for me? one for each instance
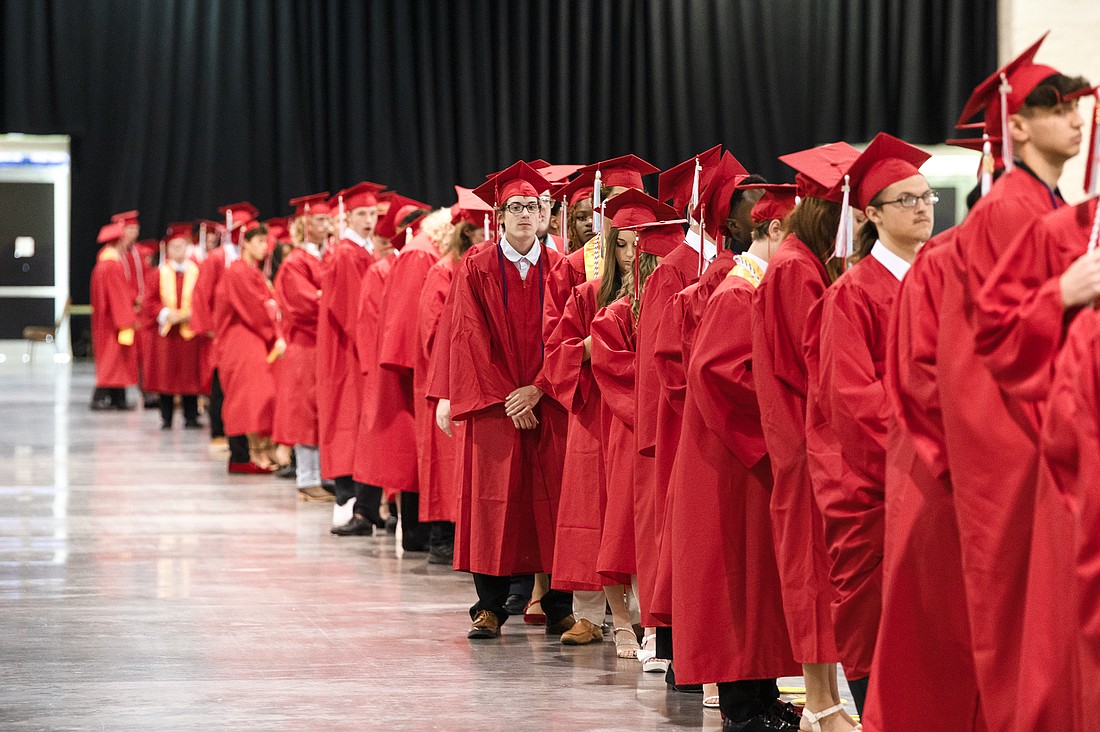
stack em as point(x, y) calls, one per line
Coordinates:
point(520, 406)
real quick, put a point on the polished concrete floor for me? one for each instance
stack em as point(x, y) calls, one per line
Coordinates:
point(142, 588)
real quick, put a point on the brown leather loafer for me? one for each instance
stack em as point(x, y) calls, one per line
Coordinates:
point(583, 632)
point(485, 625)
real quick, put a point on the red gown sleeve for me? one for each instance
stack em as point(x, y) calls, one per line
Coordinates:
point(559, 284)
point(120, 296)
point(202, 299)
point(341, 293)
point(151, 303)
point(564, 374)
point(398, 337)
point(719, 372)
point(797, 288)
point(478, 379)
point(852, 394)
point(433, 298)
point(439, 364)
point(297, 292)
point(668, 353)
point(248, 296)
point(613, 359)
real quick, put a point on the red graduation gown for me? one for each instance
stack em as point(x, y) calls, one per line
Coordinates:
point(848, 411)
point(393, 418)
point(173, 362)
point(568, 378)
point(566, 274)
point(726, 599)
point(676, 271)
point(1085, 494)
point(613, 365)
point(297, 289)
point(339, 381)
point(112, 311)
point(202, 311)
point(371, 293)
point(674, 338)
point(992, 447)
point(435, 454)
point(246, 334)
point(511, 478)
point(1021, 330)
point(794, 281)
point(917, 676)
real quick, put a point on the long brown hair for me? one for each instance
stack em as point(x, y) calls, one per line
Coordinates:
point(868, 233)
point(611, 279)
point(645, 264)
point(814, 221)
point(462, 238)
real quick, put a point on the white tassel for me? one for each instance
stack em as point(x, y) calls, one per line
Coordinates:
point(844, 231)
point(987, 165)
point(1095, 229)
point(342, 215)
point(695, 191)
point(1092, 165)
point(488, 234)
point(1006, 136)
point(563, 217)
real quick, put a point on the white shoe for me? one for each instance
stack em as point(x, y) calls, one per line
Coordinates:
point(647, 654)
point(342, 514)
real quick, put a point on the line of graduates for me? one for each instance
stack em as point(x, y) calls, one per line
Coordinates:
point(770, 427)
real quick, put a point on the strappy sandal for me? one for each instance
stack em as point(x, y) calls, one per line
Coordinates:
point(626, 643)
point(814, 718)
point(531, 618)
point(710, 696)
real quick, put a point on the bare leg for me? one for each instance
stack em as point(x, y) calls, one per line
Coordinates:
point(822, 693)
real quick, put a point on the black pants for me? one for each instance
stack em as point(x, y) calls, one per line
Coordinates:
point(217, 396)
point(414, 535)
point(740, 700)
point(168, 407)
point(441, 534)
point(492, 592)
point(859, 692)
point(522, 585)
point(367, 497)
point(663, 645)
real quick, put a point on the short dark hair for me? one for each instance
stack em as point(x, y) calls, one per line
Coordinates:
point(251, 234)
point(1052, 92)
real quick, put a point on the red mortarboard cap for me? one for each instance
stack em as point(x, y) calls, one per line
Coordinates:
point(625, 171)
point(538, 163)
point(238, 231)
point(776, 203)
point(243, 212)
point(675, 183)
point(577, 189)
point(1023, 76)
point(399, 207)
point(660, 239)
point(110, 233)
point(885, 161)
point(716, 196)
point(211, 225)
point(278, 228)
point(634, 208)
point(317, 203)
point(360, 195)
point(519, 179)
point(179, 230)
point(557, 173)
point(819, 168)
point(126, 218)
point(469, 207)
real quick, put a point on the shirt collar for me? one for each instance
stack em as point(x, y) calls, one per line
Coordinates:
point(353, 236)
point(550, 243)
point(693, 239)
point(312, 249)
point(513, 256)
point(762, 264)
point(897, 266)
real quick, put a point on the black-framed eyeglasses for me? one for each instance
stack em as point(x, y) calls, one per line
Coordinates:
point(908, 200)
point(516, 208)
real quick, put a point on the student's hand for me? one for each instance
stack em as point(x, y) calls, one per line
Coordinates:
point(525, 421)
point(1080, 282)
point(522, 400)
point(443, 416)
point(587, 343)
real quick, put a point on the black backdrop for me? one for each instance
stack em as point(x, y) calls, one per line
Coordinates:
point(176, 106)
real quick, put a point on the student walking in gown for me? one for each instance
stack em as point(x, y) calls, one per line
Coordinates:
point(797, 276)
point(848, 415)
point(114, 322)
point(514, 444)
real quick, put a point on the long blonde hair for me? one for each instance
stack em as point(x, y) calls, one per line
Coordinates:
point(646, 263)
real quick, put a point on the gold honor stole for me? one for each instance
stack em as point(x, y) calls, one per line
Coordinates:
point(168, 295)
point(593, 258)
point(746, 269)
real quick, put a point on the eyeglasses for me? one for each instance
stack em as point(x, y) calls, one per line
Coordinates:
point(908, 200)
point(516, 208)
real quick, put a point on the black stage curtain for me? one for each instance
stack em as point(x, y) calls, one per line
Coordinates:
point(176, 106)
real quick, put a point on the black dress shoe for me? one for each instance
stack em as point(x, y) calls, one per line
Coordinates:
point(561, 626)
point(192, 424)
point(670, 679)
point(391, 524)
point(101, 404)
point(414, 547)
point(786, 712)
point(166, 425)
point(445, 554)
point(356, 527)
point(515, 604)
point(123, 406)
point(760, 723)
point(152, 402)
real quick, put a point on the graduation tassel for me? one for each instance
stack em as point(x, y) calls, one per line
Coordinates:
point(702, 237)
point(487, 232)
point(1092, 162)
point(1095, 235)
point(342, 215)
point(694, 208)
point(597, 247)
point(227, 237)
point(985, 173)
point(564, 218)
point(844, 230)
point(1006, 137)
point(200, 252)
